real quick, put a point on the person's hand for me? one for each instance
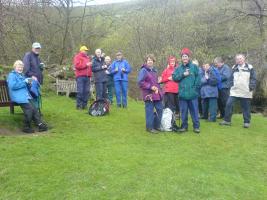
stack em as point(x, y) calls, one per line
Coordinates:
point(107, 72)
point(28, 80)
point(159, 79)
point(123, 69)
point(155, 89)
point(186, 73)
point(170, 78)
point(34, 78)
point(116, 69)
point(206, 75)
point(104, 67)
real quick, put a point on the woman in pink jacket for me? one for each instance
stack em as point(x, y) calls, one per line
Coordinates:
point(170, 87)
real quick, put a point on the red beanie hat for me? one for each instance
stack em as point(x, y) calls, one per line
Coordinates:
point(186, 51)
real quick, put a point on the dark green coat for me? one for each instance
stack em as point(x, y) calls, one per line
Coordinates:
point(188, 85)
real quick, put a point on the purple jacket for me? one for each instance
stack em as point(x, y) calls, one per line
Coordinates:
point(146, 79)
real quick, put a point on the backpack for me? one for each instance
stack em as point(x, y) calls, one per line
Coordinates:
point(168, 121)
point(99, 108)
point(218, 77)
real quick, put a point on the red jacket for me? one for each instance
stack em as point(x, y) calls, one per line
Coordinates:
point(80, 65)
point(169, 86)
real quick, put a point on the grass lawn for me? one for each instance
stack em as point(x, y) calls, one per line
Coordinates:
point(113, 157)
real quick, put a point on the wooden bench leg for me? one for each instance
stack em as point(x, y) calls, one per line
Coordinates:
point(12, 109)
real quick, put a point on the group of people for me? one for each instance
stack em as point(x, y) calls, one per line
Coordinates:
point(186, 87)
point(189, 87)
point(107, 75)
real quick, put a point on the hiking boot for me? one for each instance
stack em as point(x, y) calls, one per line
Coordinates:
point(183, 130)
point(153, 131)
point(42, 127)
point(246, 125)
point(196, 130)
point(225, 123)
point(28, 130)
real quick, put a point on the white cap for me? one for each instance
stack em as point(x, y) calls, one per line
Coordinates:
point(36, 45)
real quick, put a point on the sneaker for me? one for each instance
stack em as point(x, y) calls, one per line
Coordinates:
point(153, 131)
point(246, 125)
point(42, 127)
point(225, 123)
point(183, 130)
point(28, 130)
point(196, 130)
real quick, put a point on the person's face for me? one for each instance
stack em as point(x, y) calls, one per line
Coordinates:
point(149, 62)
point(218, 64)
point(206, 67)
point(19, 68)
point(98, 53)
point(240, 60)
point(36, 50)
point(172, 63)
point(107, 60)
point(185, 59)
point(119, 57)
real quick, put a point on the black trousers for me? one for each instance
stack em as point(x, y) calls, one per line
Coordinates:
point(222, 100)
point(171, 101)
point(30, 114)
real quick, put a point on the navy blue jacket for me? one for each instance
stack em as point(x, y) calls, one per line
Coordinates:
point(99, 73)
point(209, 87)
point(225, 72)
point(32, 66)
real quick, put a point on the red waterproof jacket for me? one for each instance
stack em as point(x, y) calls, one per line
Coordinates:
point(169, 86)
point(80, 65)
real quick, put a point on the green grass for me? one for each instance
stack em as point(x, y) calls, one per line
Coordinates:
point(113, 157)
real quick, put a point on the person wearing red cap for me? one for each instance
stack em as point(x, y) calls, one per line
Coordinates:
point(170, 88)
point(187, 75)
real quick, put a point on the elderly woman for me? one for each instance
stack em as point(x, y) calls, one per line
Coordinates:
point(19, 93)
point(152, 94)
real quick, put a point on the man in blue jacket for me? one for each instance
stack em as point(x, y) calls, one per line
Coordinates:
point(33, 67)
point(224, 91)
point(19, 93)
point(120, 68)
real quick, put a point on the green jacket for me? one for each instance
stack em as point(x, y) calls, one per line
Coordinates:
point(188, 85)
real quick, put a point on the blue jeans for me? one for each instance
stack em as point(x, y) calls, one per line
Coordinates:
point(192, 106)
point(245, 105)
point(83, 91)
point(101, 90)
point(153, 121)
point(121, 87)
point(210, 107)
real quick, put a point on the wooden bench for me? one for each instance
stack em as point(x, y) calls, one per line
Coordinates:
point(70, 86)
point(4, 97)
point(66, 86)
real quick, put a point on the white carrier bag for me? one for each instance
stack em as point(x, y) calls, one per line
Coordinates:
point(167, 120)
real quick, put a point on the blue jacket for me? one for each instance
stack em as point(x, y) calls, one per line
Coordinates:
point(225, 72)
point(17, 88)
point(99, 73)
point(120, 75)
point(209, 87)
point(32, 66)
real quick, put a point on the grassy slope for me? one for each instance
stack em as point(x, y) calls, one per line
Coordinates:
point(114, 158)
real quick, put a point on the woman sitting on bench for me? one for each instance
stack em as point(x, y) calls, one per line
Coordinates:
point(19, 93)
